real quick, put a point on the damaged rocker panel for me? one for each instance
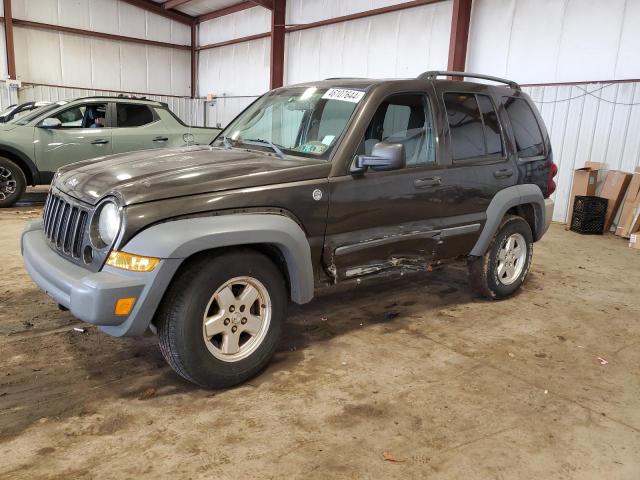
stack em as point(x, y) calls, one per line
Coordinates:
point(412, 250)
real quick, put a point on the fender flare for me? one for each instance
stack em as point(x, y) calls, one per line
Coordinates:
point(179, 239)
point(28, 163)
point(501, 203)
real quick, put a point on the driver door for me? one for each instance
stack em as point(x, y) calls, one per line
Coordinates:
point(83, 134)
point(383, 220)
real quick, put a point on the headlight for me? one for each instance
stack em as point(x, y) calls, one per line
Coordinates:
point(107, 226)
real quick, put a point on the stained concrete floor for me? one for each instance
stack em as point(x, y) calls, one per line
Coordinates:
point(412, 378)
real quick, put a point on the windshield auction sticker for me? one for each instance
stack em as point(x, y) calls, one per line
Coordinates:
point(343, 94)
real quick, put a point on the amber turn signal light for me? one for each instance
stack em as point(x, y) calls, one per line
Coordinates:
point(124, 306)
point(134, 263)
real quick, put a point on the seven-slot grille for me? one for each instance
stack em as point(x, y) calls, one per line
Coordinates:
point(64, 225)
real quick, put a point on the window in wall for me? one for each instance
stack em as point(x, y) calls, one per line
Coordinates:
point(133, 115)
point(405, 119)
point(473, 126)
point(526, 130)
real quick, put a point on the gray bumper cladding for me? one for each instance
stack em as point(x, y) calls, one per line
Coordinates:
point(91, 297)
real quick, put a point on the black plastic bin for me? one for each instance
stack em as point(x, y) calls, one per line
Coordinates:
point(589, 214)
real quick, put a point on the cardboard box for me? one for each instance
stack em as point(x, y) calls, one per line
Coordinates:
point(634, 225)
point(634, 241)
point(613, 190)
point(629, 206)
point(585, 181)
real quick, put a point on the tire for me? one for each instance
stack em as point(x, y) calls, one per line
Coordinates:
point(492, 277)
point(202, 286)
point(12, 182)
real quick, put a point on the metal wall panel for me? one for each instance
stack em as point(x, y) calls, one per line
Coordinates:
point(109, 16)
point(236, 72)
point(240, 24)
point(398, 44)
point(546, 41)
point(596, 122)
point(308, 11)
point(190, 111)
point(57, 58)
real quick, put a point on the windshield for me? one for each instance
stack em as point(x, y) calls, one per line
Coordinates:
point(298, 121)
point(23, 120)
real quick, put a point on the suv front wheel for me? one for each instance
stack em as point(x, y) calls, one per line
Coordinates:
point(504, 267)
point(221, 319)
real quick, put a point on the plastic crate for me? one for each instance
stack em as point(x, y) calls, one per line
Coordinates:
point(589, 214)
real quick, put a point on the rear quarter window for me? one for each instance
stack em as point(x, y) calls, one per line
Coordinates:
point(527, 133)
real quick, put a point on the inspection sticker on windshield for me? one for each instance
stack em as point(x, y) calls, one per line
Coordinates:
point(343, 94)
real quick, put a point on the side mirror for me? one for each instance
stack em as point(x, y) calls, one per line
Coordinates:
point(384, 156)
point(50, 123)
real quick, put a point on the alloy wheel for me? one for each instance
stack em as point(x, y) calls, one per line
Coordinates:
point(512, 258)
point(237, 319)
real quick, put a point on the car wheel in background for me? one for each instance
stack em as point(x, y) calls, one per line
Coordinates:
point(12, 182)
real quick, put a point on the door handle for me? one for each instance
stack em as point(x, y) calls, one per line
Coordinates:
point(100, 141)
point(160, 139)
point(428, 182)
point(505, 173)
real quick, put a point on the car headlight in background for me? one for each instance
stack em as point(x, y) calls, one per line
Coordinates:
point(106, 226)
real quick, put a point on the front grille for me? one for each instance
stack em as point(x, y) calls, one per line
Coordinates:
point(64, 225)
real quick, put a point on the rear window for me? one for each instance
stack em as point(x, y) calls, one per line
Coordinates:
point(526, 130)
point(131, 115)
point(473, 126)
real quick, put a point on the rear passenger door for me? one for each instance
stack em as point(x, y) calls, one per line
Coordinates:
point(137, 127)
point(479, 167)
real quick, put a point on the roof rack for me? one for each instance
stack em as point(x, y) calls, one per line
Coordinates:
point(432, 75)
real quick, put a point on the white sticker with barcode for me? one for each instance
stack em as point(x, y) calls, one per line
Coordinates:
point(343, 94)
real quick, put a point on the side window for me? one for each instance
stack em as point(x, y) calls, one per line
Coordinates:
point(405, 119)
point(473, 126)
point(83, 116)
point(133, 115)
point(492, 132)
point(526, 130)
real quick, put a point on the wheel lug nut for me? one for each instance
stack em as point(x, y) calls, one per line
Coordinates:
point(242, 308)
point(234, 328)
point(226, 321)
point(232, 309)
point(243, 321)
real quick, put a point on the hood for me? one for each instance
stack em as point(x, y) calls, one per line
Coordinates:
point(5, 127)
point(164, 173)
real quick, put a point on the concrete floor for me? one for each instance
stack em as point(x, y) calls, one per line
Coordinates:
point(416, 370)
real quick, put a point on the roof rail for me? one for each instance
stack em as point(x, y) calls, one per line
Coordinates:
point(432, 75)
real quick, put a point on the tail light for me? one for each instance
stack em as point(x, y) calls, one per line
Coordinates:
point(551, 184)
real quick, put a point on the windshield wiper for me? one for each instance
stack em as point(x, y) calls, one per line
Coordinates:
point(273, 146)
point(226, 142)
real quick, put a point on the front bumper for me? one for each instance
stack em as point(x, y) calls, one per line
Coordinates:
point(91, 297)
point(548, 214)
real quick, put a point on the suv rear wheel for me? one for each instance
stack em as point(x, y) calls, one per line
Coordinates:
point(221, 319)
point(12, 182)
point(503, 268)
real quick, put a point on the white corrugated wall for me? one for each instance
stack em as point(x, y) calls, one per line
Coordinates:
point(392, 45)
point(558, 41)
point(235, 74)
point(55, 58)
point(596, 122)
